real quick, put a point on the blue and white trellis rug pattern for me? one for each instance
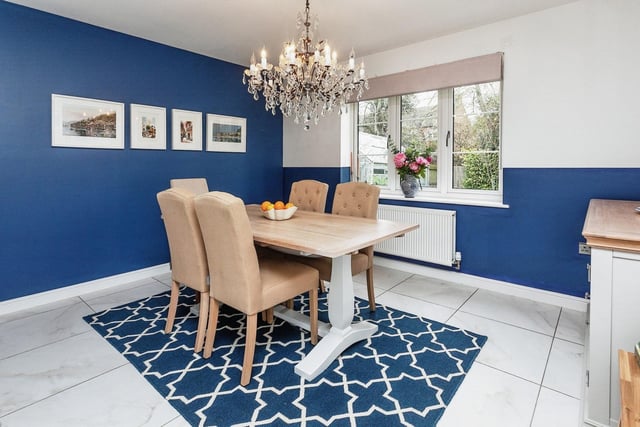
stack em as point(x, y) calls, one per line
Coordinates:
point(405, 374)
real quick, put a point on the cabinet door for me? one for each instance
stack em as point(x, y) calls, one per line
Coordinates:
point(599, 344)
point(625, 316)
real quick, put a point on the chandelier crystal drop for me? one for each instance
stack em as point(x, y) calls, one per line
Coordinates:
point(308, 80)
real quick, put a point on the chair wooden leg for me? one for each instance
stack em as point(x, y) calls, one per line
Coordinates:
point(322, 288)
point(249, 349)
point(313, 315)
point(370, 290)
point(173, 306)
point(202, 321)
point(214, 307)
point(269, 315)
point(289, 304)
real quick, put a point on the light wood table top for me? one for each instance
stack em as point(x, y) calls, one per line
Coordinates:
point(613, 224)
point(323, 234)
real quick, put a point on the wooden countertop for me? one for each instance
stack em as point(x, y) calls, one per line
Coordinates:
point(613, 224)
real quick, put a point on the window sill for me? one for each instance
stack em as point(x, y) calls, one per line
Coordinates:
point(444, 200)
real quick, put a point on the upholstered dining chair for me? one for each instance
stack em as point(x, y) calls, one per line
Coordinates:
point(195, 185)
point(188, 256)
point(357, 199)
point(309, 195)
point(242, 280)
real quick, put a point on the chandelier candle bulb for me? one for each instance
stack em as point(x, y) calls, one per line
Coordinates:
point(352, 60)
point(263, 59)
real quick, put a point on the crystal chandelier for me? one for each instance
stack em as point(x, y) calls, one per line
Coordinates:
point(308, 80)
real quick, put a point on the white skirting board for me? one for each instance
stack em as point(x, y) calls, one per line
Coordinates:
point(47, 297)
point(554, 298)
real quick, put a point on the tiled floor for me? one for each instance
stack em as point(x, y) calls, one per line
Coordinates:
point(56, 371)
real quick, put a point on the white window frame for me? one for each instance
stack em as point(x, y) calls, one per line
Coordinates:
point(444, 192)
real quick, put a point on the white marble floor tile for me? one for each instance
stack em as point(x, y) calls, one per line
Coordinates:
point(383, 277)
point(43, 328)
point(34, 375)
point(120, 397)
point(491, 398)
point(415, 306)
point(435, 291)
point(164, 278)
point(125, 294)
point(517, 311)
point(21, 314)
point(564, 369)
point(572, 326)
point(515, 350)
point(177, 422)
point(556, 410)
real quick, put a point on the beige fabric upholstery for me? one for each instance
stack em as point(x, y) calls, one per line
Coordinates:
point(195, 185)
point(188, 257)
point(309, 195)
point(242, 280)
point(357, 199)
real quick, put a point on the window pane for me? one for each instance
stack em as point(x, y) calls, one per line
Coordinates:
point(373, 154)
point(419, 129)
point(476, 170)
point(476, 137)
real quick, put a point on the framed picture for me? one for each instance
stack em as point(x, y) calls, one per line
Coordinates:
point(148, 127)
point(186, 130)
point(226, 133)
point(86, 123)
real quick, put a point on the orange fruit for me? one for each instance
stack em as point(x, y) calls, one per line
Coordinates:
point(289, 205)
point(266, 205)
point(278, 205)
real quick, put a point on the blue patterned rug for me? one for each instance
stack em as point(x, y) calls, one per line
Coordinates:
point(405, 374)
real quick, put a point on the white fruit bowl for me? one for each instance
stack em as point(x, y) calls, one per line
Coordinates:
point(280, 214)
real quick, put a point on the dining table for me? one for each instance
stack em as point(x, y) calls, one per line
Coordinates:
point(337, 237)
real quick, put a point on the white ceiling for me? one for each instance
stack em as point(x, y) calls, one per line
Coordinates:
point(232, 29)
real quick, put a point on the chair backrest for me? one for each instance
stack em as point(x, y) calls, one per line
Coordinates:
point(195, 185)
point(188, 256)
point(356, 199)
point(309, 195)
point(231, 255)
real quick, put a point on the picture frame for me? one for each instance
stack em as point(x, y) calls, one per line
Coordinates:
point(148, 127)
point(86, 123)
point(186, 130)
point(226, 133)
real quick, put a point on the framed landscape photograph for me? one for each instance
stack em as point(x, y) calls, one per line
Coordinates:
point(86, 123)
point(148, 127)
point(186, 130)
point(226, 133)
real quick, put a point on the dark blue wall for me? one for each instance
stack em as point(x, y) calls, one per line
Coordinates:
point(70, 215)
point(535, 241)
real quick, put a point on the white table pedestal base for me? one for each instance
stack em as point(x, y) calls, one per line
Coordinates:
point(330, 347)
point(342, 333)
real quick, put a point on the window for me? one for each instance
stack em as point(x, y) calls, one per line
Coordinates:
point(459, 127)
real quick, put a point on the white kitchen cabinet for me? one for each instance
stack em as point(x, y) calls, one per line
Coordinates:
point(612, 230)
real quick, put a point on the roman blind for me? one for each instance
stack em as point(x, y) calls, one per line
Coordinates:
point(479, 69)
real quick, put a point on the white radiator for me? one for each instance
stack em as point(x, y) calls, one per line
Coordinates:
point(434, 241)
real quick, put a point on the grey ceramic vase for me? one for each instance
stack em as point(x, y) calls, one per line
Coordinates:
point(409, 185)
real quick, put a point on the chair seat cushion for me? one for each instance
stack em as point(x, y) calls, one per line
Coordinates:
point(359, 263)
point(282, 278)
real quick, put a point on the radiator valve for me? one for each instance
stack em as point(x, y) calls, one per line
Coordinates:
point(458, 260)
